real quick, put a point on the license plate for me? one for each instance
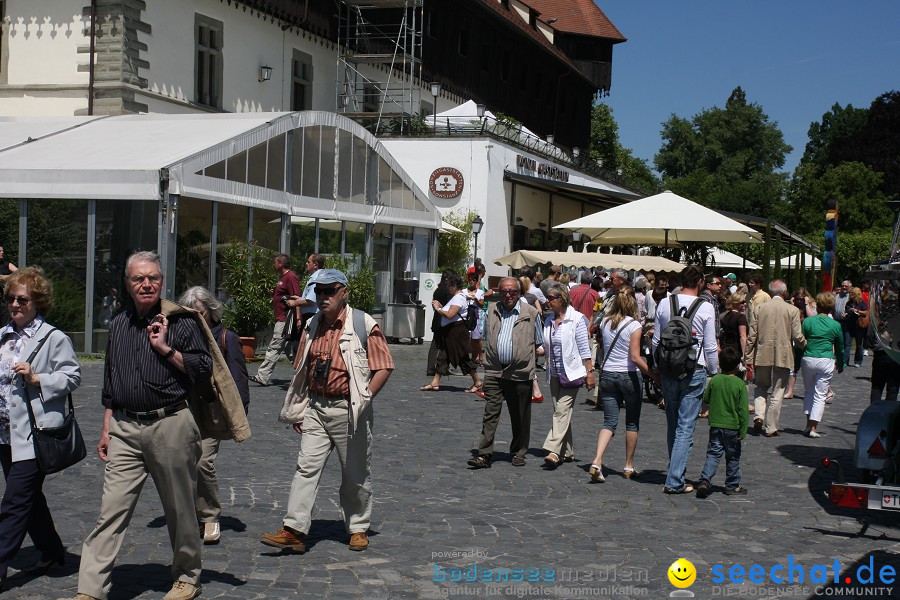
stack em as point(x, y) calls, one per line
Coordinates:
point(890, 500)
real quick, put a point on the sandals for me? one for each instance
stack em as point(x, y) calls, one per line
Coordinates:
point(630, 473)
point(430, 388)
point(596, 472)
point(552, 460)
point(475, 389)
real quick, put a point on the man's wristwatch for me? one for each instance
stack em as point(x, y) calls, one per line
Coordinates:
point(170, 353)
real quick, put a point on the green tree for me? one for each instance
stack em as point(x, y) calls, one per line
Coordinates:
point(862, 205)
point(725, 158)
point(836, 126)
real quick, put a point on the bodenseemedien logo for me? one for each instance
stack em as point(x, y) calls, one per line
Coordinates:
point(682, 575)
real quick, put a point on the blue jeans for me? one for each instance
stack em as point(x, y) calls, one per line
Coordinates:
point(683, 399)
point(625, 386)
point(727, 442)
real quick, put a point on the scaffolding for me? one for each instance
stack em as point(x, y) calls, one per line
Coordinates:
point(379, 66)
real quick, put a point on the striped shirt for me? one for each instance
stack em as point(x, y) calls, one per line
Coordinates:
point(326, 345)
point(138, 378)
point(507, 324)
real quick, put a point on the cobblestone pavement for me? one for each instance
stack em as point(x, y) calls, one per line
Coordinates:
point(434, 516)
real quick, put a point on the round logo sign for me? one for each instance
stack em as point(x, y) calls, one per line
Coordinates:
point(446, 182)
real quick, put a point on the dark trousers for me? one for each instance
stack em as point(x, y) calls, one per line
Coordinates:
point(727, 442)
point(518, 401)
point(24, 510)
point(437, 356)
point(885, 374)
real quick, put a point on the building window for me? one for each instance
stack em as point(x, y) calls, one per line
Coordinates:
point(301, 81)
point(208, 67)
point(428, 24)
point(463, 42)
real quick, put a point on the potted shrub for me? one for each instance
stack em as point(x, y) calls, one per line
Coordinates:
point(249, 280)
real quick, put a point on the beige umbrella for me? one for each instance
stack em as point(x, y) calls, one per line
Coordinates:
point(530, 258)
point(659, 219)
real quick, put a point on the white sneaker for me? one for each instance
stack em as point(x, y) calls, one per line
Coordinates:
point(811, 434)
point(211, 532)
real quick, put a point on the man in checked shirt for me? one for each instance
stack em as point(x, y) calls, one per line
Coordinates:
point(329, 402)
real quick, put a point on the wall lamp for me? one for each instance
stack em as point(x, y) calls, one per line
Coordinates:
point(550, 139)
point(265, 73)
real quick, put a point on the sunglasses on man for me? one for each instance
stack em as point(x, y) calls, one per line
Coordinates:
point(329, 291)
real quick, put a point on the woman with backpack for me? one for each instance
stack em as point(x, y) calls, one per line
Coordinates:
point(569, 367)
point(457, 337)
point(620, 379)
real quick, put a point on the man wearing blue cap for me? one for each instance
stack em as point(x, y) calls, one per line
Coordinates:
point(343, 363)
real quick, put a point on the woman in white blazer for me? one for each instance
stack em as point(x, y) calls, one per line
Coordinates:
point(45, 382)
point(568, 352)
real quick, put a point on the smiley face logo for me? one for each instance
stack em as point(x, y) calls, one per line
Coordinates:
point(682, 573)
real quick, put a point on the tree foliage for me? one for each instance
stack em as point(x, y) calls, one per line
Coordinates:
point(454, 248)
point(249, 280)
point(725, 158)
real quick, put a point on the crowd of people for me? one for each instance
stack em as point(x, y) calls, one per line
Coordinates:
point(741, 349)
point(702, 340)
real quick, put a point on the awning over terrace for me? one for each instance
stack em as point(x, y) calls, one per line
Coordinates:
point(314, 164)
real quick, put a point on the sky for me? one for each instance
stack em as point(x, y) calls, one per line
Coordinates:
point(795, 58)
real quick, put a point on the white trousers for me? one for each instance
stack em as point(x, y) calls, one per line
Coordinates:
point(817, 374)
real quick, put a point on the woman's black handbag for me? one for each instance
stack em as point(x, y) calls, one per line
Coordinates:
point(55, 448)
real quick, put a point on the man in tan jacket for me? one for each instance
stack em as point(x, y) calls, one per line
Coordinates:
point(758, 297)
point(770, 355)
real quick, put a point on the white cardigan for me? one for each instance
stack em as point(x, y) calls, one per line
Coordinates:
point(572, 359)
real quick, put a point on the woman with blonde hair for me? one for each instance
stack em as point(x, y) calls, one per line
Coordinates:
point(620, 378)
point(569, 367)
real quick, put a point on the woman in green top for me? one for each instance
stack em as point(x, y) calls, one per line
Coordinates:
point(824, 352)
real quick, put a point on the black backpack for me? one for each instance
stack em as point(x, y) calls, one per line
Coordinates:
point(472, 316)
point(676, 353)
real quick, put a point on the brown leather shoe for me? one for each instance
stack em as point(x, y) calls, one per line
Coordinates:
point(359, 541)
point(773, 434)
point(757, 425)
point(287, 539)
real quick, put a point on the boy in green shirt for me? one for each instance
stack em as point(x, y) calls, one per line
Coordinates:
point(726, 399)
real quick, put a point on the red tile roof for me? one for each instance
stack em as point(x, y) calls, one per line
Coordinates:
point(581, 17)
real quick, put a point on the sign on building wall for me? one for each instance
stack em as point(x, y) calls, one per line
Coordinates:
point(446, 182)
point(539, 169)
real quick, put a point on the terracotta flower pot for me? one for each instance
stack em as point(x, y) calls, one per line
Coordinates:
point(249, 346)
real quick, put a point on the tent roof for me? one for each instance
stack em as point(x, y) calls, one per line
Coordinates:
point(128, 142)
point(725, 259)
point(136, 157)
point(529, 258)
point(685, 221)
